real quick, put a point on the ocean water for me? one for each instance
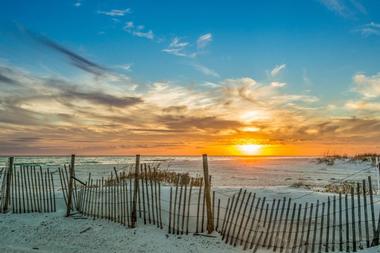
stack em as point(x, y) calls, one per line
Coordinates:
point(226, 171)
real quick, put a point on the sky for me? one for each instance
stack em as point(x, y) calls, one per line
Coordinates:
point(189, 77)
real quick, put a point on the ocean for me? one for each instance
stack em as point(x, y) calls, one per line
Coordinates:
point(226, 171)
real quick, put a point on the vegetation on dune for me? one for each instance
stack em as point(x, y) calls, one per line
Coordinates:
point(364, 157)
point(163, 176)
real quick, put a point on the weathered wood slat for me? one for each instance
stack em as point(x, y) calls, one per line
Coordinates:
point(269, 223)
point(297, 229)
point(327, 225)
point(277, 237)
point(225, 217)
point(309, 228)
point(315, 227)
point(184, 209)
point(321, 231)
point(288, 243)
point(347, 224)
point(228, 217)
point(283, 242)
point(372, 207)
point(237, 219)
point(233, 215)
point(301, 245)
point(354, 249)
point(247, 220)
point(170, 211)
point(253, 220)
point(242, 220)
point(189, 205)
point(359, 216)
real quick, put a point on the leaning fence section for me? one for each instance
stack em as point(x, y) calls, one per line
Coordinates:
point(180, 208)
point(342, 223)
point(100, 200)
point(112, 198)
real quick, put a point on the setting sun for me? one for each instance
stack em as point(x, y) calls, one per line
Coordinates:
point(249, 149)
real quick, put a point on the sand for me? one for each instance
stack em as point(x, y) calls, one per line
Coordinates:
point(35, 232)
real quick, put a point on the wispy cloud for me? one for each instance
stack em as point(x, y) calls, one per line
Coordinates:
point(336, 6)
point(204, 40)
point(205, 70)
point(138, 30)
point(76, 59)
point(277, 70)
point(358, 6)
point(148, 34)
point(177, 47)
point(126, 67)
point(345, 8)
point(368, 29)
point(116, 12)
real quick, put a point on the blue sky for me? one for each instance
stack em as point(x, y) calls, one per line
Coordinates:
point(248, 37)
point(313, 48)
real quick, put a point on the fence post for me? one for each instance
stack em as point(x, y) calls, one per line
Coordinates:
point(378, 175)
point(70, 192)
point(136, 188)
point(207, 192)
point(4, 208)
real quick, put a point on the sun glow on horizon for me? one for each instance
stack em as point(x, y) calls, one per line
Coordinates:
point(249, 149)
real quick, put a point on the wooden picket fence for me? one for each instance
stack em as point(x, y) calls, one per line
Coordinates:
point(342, 223)
point(186, 209)
point(112, 199)
point(27, 188)
point(4, 187)
point(64, 182)
point(32, 190)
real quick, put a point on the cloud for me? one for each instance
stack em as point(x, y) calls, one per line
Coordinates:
point(4, 79)
point(148, 35)
point(138, 31)
point(368, 89)
point(368, 29)
point(336, 6)
point(205, 70)
point(77, 4)
point(126, 67)
point(367, 86)
point(358, 6)
point(116, 12)
point(363, 106)
point(278, 84)
point(100, 98)
point(92, 115)
point(75, 59)
point(277, 70)
point(344, 8)
point(204, 40)
point(177, 47)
